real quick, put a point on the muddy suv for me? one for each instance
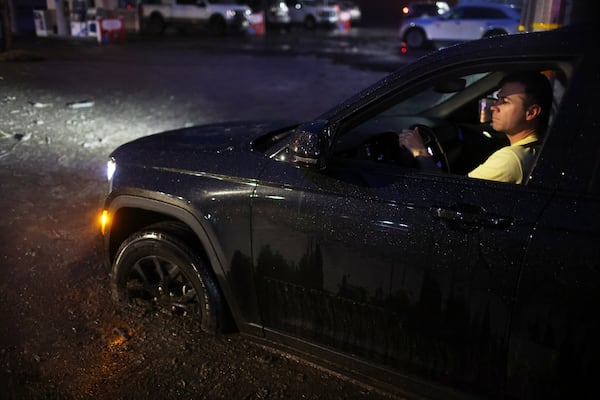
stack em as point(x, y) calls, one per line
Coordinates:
point(325, 237)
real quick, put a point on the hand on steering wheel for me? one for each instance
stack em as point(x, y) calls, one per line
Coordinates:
point(421, 140)
point(414, 142)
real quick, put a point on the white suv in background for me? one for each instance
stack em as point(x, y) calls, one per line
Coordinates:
point(461, 23)
point(313, 13)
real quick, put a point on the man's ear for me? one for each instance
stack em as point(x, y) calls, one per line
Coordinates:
point(533, 111)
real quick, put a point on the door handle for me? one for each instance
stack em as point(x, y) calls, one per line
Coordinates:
point(467, 215)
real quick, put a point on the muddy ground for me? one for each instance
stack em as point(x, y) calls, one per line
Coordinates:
point(63, 107)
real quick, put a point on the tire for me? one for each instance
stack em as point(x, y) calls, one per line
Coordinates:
point(415, 39)
point(155, 25)
point(155, 270)
point(310, 22)
point(217, 25)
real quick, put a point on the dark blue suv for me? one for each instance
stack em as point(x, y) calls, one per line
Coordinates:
point(323, 237)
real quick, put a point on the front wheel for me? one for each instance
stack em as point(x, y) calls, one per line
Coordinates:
point(217, 25)
point(155, 25)
point(310, 22)
point(154, 270)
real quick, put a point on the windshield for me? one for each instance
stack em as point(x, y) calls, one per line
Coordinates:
point(433, 96)
point(433, 101)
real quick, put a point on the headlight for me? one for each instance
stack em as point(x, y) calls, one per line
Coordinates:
point(111, 166)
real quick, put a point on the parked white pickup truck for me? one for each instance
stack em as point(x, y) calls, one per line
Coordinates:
point(219, 16)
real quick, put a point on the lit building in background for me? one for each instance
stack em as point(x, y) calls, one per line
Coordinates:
point(536, 14)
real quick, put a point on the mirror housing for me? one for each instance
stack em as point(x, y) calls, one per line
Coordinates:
point(310, 144)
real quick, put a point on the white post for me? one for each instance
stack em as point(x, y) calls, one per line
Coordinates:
point(61, 20)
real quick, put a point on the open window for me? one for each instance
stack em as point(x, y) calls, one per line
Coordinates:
point(452, 108)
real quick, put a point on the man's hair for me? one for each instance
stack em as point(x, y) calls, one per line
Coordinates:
point(537, 90)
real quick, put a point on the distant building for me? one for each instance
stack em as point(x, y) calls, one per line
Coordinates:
point(537, 14)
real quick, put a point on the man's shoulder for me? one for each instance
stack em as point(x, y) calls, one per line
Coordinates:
point(507, 154)
point(528, 141)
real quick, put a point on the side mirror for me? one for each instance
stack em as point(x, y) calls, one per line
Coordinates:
point(310, 144)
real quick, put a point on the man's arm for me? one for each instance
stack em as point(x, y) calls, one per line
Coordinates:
point(412, 141)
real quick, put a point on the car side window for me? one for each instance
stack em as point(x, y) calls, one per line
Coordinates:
point(456, 14)
point(483, 13)
point(473, 13)
point(447, 105)
point(449, 113)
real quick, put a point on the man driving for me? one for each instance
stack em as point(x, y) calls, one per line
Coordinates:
point(521, 112)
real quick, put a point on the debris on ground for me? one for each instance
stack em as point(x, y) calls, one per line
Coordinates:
point(81, 104)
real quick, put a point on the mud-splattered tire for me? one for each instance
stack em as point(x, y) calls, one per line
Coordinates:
point(155, 270)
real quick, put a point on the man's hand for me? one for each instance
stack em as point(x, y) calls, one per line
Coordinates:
point(411, 140)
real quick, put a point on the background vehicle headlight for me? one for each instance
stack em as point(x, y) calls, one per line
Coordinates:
point(111, 166)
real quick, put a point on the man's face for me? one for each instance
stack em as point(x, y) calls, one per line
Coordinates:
point(509, 112)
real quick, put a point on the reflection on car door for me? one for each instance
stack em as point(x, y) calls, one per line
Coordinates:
point(416, 271)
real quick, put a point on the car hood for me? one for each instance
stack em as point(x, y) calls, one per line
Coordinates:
point(231, 137)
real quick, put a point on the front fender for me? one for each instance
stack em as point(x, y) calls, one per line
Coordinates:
point(132, 210)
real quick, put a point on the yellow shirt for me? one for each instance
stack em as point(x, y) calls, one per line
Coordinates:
point(508, 163)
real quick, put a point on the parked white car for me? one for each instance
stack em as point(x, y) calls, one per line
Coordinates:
point(461, 23)
point(219, 16)
point(313, 13)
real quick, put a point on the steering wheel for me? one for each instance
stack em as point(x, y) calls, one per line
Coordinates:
point(384, 147)
point(431, 142)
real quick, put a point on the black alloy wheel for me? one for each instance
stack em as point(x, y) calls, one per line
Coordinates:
point(156, 271)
